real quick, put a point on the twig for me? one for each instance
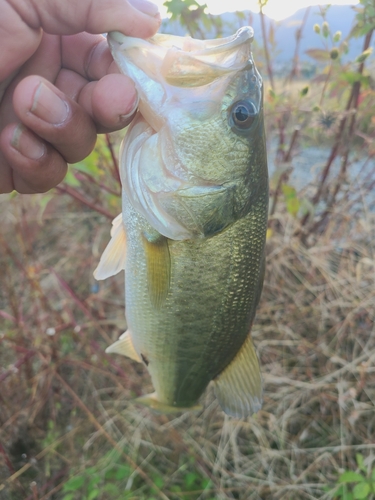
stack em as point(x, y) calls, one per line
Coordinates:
point(16, 365)
point(80, 197)
point(352, 99)
point(115, 167)
point(265, 44)
point(294, 71)
point(83, 176)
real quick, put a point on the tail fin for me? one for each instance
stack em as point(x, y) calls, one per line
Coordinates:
point(239, 387)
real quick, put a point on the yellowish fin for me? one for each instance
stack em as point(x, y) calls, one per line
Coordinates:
point(158, 269)
point(124, 345)
point(151, 400)
point(239, 387)
point(113, 259)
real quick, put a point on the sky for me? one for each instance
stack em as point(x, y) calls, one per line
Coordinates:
point(276, 9)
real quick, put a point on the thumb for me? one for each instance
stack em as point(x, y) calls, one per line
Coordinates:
point(139, 18)
point(66, 17)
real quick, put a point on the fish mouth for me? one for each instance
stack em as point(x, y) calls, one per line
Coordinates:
point(188, 44)
point(182, 61)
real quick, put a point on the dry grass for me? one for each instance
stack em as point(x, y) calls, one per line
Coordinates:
point(65, 406)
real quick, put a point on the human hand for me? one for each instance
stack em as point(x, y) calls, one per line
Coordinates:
point(59, 86)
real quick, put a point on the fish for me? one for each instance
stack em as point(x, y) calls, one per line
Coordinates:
point(192, 232)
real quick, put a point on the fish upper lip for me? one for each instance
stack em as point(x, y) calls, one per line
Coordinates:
point(187, 44)
point(172, 59)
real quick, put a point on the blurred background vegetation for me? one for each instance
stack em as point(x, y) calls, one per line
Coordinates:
point(68, 427)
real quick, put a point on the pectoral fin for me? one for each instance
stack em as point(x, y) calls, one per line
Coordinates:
point(113, 259)
point(124, 345)
point(239, 387)
point(151, 400)
point(158, 268)
point(212, 208)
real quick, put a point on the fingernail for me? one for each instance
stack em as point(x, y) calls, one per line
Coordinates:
point(27, 144)
point(124, 118)
point(146, 7)
point(48, 106)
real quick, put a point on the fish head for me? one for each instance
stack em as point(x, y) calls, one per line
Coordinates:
point(194, 159)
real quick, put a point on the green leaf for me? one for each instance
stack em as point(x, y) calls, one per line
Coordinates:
point(360, 461)
point(122, 472)
point(206, 483)
point(190, 479)
point(342, 492)
point(112, 489)
point(70, 179)
point(90, 470)
point(70, 496)
point(110, 473)
point(88, 165)
point(93, 494)
point(350, 77)
point(291, 199)
point(94, 480)
point(304, 91)
point(351, 477)
point(373, 475)
point(159, 482)
point(175, 488)
point(75, 483)
point(361, 490)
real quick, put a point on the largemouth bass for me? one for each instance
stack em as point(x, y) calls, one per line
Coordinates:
point(191, 236)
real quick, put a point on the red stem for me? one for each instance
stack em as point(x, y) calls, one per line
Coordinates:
point(17, 365)
point(83, 176)
point(80, 197)
point(115, 168)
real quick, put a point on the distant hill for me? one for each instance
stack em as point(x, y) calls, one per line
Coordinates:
point(339, 17)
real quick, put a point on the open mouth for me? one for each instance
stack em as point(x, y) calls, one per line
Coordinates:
point(182, 61)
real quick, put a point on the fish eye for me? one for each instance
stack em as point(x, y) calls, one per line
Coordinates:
point(243, 114)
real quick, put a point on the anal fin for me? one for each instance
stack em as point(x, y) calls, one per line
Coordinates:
point(124, 345)
point(151, 400)
point(239, 387)
point(112, 260)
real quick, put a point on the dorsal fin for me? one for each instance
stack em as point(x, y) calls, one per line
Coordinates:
point(239, 387)
point(112, 260)
point(158, 268)
point(124, 346)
